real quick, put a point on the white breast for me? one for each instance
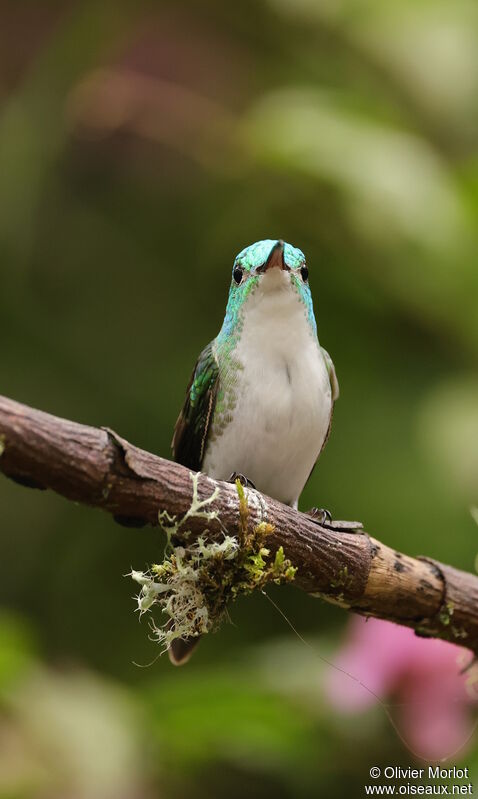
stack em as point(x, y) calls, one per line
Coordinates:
point(283, 398)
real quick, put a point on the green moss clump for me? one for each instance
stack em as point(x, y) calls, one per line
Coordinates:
point(342, 580)
point(446, 613)
point(197, 579)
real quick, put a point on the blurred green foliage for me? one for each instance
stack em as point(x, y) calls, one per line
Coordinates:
point(141, 146)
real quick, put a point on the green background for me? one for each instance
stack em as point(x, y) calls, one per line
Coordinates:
point(142, 145)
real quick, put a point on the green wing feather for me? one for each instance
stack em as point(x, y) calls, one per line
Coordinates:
point(334, 383)
point(194, 421)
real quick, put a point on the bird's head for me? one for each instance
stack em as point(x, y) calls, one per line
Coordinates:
point(272, 262)
point(269, 270)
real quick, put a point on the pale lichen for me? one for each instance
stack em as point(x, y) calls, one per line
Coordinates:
point(458, 632)
point(196, 580)
point(171, 524)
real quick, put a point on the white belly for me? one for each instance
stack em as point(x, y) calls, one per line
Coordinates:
point(283, 401)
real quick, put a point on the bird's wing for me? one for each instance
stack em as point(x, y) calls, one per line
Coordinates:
point(193, 423)
point(334, 383)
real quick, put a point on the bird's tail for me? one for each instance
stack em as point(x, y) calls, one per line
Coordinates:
point(181, 650)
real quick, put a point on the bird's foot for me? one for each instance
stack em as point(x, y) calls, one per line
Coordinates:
point(323, 517)
point(244, 481)
point(320, 515)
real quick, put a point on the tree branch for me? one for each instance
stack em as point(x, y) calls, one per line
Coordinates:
point(96, 467)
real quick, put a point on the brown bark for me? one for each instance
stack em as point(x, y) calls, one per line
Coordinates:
point(96, 467)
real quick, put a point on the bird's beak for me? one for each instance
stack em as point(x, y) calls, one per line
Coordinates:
point(276, 257)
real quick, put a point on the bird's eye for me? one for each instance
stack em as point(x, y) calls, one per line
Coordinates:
point(237, 274)
point(305, 274)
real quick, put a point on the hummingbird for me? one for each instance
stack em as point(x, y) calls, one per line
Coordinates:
point(260, 400)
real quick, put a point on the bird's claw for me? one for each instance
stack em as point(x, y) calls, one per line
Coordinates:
point(320, 515)
point(323, 517)
point(244, 481)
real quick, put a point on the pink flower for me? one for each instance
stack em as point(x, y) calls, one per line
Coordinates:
point(420, 678)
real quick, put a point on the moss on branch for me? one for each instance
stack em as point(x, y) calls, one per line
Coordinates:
point(198, 577)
